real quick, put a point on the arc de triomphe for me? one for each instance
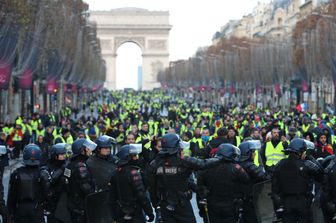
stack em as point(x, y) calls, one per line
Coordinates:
point(148, 29)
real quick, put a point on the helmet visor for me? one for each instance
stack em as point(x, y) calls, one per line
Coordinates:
point(135, 149)
point(90, 145)
point(310, 145)
point(255, 144)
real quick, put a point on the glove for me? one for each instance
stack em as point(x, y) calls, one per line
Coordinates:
point(150, 217)
point(279, 212)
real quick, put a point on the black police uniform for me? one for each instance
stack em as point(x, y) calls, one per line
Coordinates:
point(292, 188)
point(256, 175)
point(4, 161)
point(328, 196)
point(25, 195)
point(169, 185)
point(129, 196)
point(53, 183)
point(79, 185)
point(221, 187)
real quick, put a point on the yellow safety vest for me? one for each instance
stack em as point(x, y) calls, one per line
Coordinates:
point(274, 155)
point(17, 137)
point(69, 140)
point(40, 132)
point(238, 140)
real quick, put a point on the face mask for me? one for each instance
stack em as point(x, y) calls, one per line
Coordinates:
point(205, 138)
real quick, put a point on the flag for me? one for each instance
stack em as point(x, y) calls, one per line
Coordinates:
point(276, 82)
point(5, 73)
point(302, 72)
point(51, 86)
point(26, 79)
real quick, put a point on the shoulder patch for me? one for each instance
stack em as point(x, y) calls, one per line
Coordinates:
point(67, 172)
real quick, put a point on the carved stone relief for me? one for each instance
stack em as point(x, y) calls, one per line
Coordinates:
point(157, 44)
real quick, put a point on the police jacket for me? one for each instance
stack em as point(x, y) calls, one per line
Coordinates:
point(53, 182)
point(256, 175)
point(168, 177)
point(329, 183)
point(4, 160)
point(79, 182)
point(128, 192)
point(223, 183)
point(102, 170)
point(25, 186)
point(293, 177)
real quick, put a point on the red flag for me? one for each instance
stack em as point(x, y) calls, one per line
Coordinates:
point(26, 79)
point(51, 86)
point(5, 72)
point(277, 88)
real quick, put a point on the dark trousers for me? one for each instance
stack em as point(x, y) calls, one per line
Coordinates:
point(137, 217)
point(248, 215)
point(18, 146)
point(182, 213)
point(297, 210)
point(28, 213)
point(223, 212)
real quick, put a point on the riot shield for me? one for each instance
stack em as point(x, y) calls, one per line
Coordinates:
point(263, 203)
point(98, 207)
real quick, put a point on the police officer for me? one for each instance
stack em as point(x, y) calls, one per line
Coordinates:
point(25, 195)
point(328, 196)
point(79, 182)
point(102, 168)
point(292, 183)
point(169, 185)
point(257, 174)
point(52, 178)
point(128, 191)
point(4, 161)
point(101, 164)
point(220, 187)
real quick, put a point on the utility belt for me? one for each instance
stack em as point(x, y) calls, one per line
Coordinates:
point(175, 199)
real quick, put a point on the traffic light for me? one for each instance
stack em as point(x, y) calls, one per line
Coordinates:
point(37, 106)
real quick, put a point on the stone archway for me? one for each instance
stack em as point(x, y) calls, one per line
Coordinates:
point(148, 29)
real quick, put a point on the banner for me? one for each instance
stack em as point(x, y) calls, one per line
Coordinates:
point(5, 74)
point(51, 86)
point(26, 79)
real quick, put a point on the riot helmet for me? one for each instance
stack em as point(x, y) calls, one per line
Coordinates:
point(79, 145)
point(32, 155)
point(228, 152)
point(126, 152)
point(170, 144)
point(247, 148)
point(104, 142)
point(58, 149)
point(299, 146)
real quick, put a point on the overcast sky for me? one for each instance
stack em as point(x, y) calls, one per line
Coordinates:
point(194, 24)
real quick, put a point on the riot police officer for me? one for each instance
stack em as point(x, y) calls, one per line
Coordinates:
point(220, 187)
point(101, 165)
point(328, 196)
point(52, 178)
point(102, 168)
point(168, 180)
point(4, 161)
point(292, 183)
point(25, 196)
point(79, 182)
point(128, 191)
point(257, 174)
